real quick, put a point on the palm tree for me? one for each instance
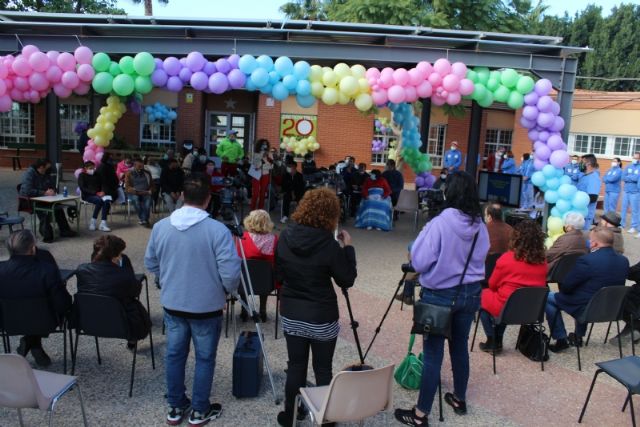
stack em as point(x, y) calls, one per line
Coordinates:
point(312, 10)
point(148, 5)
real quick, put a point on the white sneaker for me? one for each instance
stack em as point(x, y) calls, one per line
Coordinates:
point(632, 230)
point(369, 228)
point(104, 226)
point(284, 220)
point(92, 225)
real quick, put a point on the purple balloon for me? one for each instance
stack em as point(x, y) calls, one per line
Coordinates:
point(531, 98)
point(419, 181)
point(183, 61)
point(174, 84)
point(158, 62)
point(542, 152)
point(529, 124)
point(159, 78)
point(543, 87)
point(196, 61)
point(543, 136)
point(233, 60)
point(554, 142)
point(545, 119)
point(134, 106)
point(545, 104)
point(539, 164)
point(172, 66)
point(533, 135)
point(209, 68)
point(537, 144)
point(199, 80)
point(223, 66)
point(555, 108)
point(218, 83)
point(429, 180)
point(236, 78)
point(530, 112)
point(185, 75)
point(558, 124)
point(559, 159)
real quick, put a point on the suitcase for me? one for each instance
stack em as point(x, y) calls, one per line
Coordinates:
point(247, 365)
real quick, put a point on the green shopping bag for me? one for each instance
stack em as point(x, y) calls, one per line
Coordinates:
point(409, 372)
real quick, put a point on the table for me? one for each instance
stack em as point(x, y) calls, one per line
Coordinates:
point(47, 204)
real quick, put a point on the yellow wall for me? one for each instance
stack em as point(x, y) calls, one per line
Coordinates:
point(165, 97)
point(290, 106)
point(499, 119)
point(606, 122)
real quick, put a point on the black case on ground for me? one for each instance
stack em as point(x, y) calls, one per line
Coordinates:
point(247, 365)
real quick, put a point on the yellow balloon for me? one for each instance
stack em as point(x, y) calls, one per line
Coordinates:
point(312, 138)
point(342, 70)
point(330, 79)
point(316, 146)
point(364, 102)
point(109, 127)
point(349, 85)
point(363, 85)
point(326, 70)
point(99, 140)
point(330, 96)
point(317, 89)
point(343, 99)
point(103, 110)
point(315, 75)
point(110, 117)
point(358, 71)
point(554, 225)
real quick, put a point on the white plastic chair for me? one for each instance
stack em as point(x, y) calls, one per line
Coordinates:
point(408, 202)
point(23, 387)
point(351, 396)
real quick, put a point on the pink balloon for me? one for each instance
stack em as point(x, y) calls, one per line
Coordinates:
point(78, 171)
point(99, 149)
point(21, 83)
point(466, 87)
point(415, 77)
point(554, 142)
point(386, 78)
point(442, 66)
point(459, 69)
point(372, 73)
point(396, 94)
point(425, 68)
point(401, 77)
point(16, 95)
point(70, 79)
point(379, 97)
point(9, 83)
point(83, 55)
point(3, 88)
point(83, 88)
point(99, 156)
point(86, 72)
point(53, 56)
point(61, 91)
point(424, 89)
point(435, 79)
point(66, 61)
point(28, 50)
point(411, 94)
point(39, 62)
point(542, 152)
point(559, 159)
point(451, 82)
point(4, 71)
point(21, 67)
point(5, 103)
point(438, 100)
point(38, 81)
point(54, 74)
point(34, 96)
point(454, 98)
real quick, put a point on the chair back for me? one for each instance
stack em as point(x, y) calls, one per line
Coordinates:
point(562, 267)
point(524, 306)
point(605, 305)
point(24, 204)
point(100, 316)
point(356, 395)
point(19, 388)
point(29, 316)
point(262, 276)
point(490, 264)
point(407, 201)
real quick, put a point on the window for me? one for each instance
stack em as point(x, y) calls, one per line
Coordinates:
point(598, 144)
point(581, 144)
point(435, 144)
point(156, 134)
point(70, 116)
point(497, 138)
point(17, 125)
point(390, 141)
point(625, 146)
point(591, 144)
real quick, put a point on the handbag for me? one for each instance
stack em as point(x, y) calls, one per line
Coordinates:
point(408, 374)
point(529, 343)
point(433, 319)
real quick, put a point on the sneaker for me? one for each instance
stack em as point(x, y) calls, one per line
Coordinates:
point(560, 345)
point(92, 225)
point(42, 359)
point(104, 226)
point(491, 346)
point(140, 222)
point(175, 416)
point(369, 228)
point(199, 418)
point(284, 220)
point(632, 230)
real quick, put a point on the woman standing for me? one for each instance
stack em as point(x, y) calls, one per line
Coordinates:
point(261, 165)
point(449, 255)
point(307, 259)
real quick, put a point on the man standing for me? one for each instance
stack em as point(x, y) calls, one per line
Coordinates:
point(197, 262)
point(612, 186)
point(526, 170)
point(26, 275)
point(230, 152)
point(453, 158)
point(139, 187)
point(631, 197)
point(292, 189)
point(394, 179)
point(593, 271)
point(572, 170)
point(494, 161)
point(589, 182)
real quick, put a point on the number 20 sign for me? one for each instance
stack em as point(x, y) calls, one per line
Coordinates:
point(295, 125)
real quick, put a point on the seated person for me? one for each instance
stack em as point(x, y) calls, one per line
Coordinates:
point(395, 180)
point(499, 231)
point(523, 265)
point(110, 273)
point(292, 189)
point(124, 166)
point(439, 184)
point(25, 275)
point(109, 180)
point(571, 242)
point(258, 242)
point(593, 271)
point(356, 181)
point(155, 170)
point(37, 182)
point(631, 307)
point(91, 190)
point(171, 180)
point(612, 221)
point(139, 187)
point(375, 210)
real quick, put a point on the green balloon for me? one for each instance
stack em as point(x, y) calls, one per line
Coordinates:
point(101, 62)
point(126, 65)
point(493, 84)
point(102, 82)
point(525, 85)
point(479, 92)
point(123, 85)
point(495, 74)
point(143, 85)
point(501, 94)
point(143, 64)
point(487, 100)
point(516, 100)
point(472, 75)
point(483, 75)
point(114, 69)
point(509, 78)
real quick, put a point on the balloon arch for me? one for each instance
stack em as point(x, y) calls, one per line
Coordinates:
point(32, 74)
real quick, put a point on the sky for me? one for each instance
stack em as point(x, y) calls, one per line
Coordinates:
point(268, 9)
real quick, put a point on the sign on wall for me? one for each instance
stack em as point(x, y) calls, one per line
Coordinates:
point(298, 125)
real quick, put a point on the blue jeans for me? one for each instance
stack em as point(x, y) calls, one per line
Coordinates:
point(557, 329)
point(100, 205)
point(526, 199)
point(205, 334)
point(611, 201)
point(467, 303)
point(487, 325)
point(142, 203)
point(591, 214)
point(630, 202)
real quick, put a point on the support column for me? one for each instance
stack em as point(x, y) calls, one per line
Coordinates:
point(53, 142)
point(473, 149)
point(425, 123)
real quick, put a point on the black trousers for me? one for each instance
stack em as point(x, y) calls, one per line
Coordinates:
point(45, 222)
point(287, 198)
point(298, 352)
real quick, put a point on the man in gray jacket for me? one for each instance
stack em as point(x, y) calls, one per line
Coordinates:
point(197, 262)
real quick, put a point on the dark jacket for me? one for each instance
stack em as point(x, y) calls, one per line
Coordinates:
point(632, 300)
point(129, 181)
point(395, 180)
point(307, 258)
point(89, 184)
point(25, 276)
point(106, 278)
point(171, 180)
point(293, 183)
point(33, 184)
point(592, 271)
point(109, 179)
point(571, 242)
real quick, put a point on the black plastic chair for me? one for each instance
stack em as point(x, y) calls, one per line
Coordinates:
point(604, 306)
point(32, 316)
point(627, 372)
point(490, 265)
point(562, 267)
point(11, 221)
point(102, 317)
point(524, 307)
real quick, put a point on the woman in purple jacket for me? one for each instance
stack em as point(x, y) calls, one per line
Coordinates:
point(439, 255)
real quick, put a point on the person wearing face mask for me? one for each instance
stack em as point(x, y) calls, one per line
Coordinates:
point(375, 210)
point(572, 170)
point(453, 158)
point(394, 179)
point(108, 178)
point(91, 190)
point(526, 169)
point(494, 161)
point(155, 170)
point(589, 182)
point(571, 242)
point(508, 163)
point(600, 268)
point(309, 166)
point(189, 158)
point(439, 184)
point(199, 161)
point(292, 189)
point(261, 165)
point(612, 186)
point(139, 187)
point(631, 195)
point(166, 158)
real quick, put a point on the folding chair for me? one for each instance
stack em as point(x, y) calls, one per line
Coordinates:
point(408, 202)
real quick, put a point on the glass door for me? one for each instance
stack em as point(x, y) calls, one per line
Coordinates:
point(219, 123)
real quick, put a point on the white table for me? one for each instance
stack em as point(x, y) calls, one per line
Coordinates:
point(47, 204)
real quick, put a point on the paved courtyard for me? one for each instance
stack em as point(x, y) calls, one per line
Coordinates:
point(519, 395)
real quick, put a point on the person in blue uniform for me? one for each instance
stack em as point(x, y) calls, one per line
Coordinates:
point(631, 197)
point(572, 170)
point(453, 158)
point(589, 182)
point(508, 164)
point(526, 169)
point(612, 186)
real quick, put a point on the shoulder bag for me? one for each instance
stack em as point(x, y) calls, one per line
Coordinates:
point(409, 372)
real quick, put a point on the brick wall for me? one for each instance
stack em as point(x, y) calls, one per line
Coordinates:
point(268, 121)
point(128, 128)
point(190, 123)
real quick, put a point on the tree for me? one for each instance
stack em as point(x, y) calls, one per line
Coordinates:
point(307, 10)
point(63, 6)
point(148, 5)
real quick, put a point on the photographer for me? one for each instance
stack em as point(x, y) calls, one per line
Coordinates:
point(307, 259)
point(261, 165)
point(455, 238)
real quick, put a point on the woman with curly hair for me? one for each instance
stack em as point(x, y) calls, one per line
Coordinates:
point(523, 265)
point(307, 259)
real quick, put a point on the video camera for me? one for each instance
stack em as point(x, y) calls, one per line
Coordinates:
point(432, 200)
point(231, 196)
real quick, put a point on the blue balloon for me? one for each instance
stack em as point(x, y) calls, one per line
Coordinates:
point(266, 89)
point(249, 85)
point(305, 101)
point(173, 115)
point(567, 191)
point(301, 70)
point(549, 171)
point(265, 61)
point(303, 87)
point(565, 179)
point(538, 179)
point(274, 77)
point(391, 106)
point(283, 65)
point(556, 212)
point(247, 64)
point(553, 183)
point(551, 196)
point(290, 82)
point(398, 117)
point(563, 205)
point(260, 77)
point(580, 200)
point(280, 92)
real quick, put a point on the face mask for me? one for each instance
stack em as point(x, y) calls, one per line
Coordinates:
point(278, 162)
point(373, 177)
point(506, 157)
point(202, 158)
point(453, 147)
point(574, 162)
point(289, 170)
point(498, 155)
point(443, 177)
point(614, 164)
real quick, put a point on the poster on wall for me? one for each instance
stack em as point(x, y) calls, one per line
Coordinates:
point(298, 126)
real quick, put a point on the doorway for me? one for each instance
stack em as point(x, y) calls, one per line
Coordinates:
point(219, 123)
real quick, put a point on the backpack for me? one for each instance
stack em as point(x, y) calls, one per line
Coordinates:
point(529, 342)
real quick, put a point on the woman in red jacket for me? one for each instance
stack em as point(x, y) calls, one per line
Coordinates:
point(376, 180)
point(523, 265)
point(259, 242)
